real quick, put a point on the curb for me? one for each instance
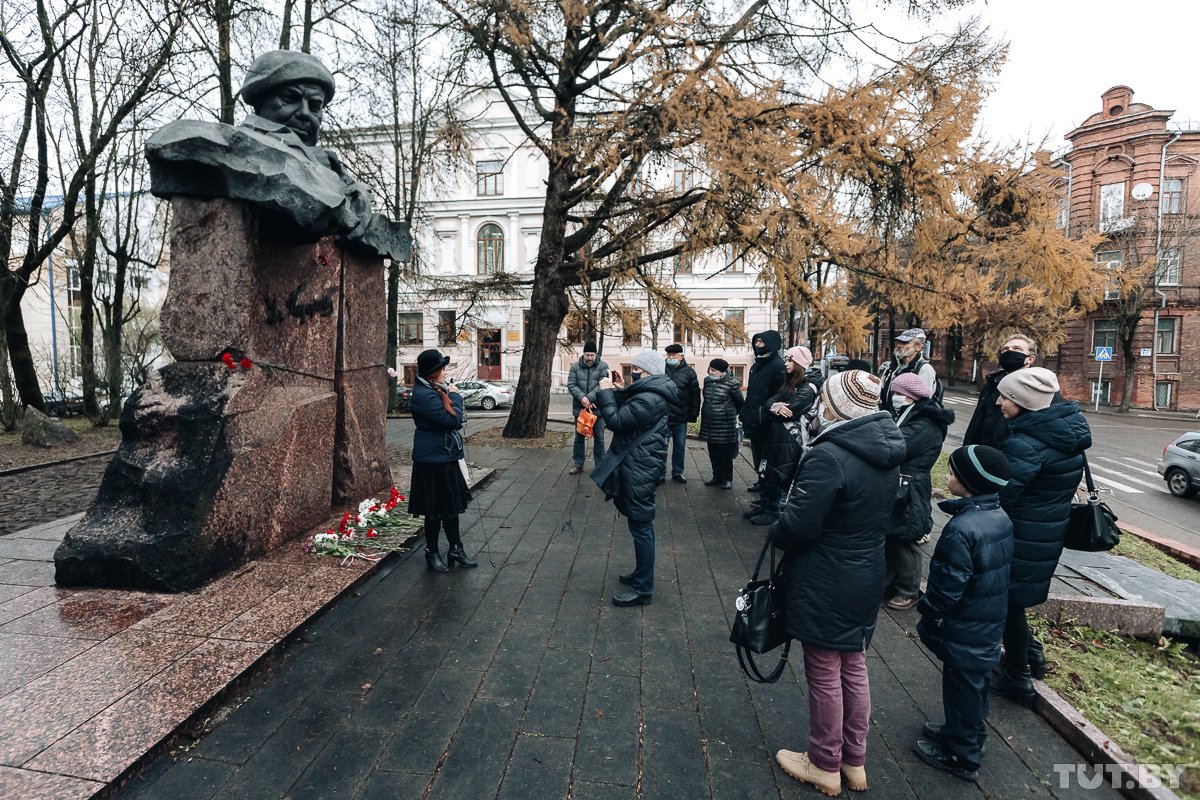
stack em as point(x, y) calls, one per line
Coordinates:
point(31, 467)
point(303, 631)
point(1179, 550)
point(1094, 745)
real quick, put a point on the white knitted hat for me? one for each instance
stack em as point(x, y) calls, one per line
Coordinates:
point(1032, 388)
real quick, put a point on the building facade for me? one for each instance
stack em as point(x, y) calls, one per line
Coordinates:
point(487, 219)
point(1130, 173)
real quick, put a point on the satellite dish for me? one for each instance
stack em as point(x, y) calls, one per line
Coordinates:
point(1142, 191)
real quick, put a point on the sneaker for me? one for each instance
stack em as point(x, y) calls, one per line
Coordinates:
point(899, 603)
point(856, 777)
point(679, 479)
point(799, 767)
point(933, 755)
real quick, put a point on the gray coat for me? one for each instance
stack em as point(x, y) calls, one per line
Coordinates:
point(584, 381)
point(722, 402)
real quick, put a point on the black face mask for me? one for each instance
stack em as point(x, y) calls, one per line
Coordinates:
point(1012, 360)
point(761, 350)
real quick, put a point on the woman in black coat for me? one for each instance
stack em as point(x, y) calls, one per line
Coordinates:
point(832, 531)
point(1044, 447)
point(786, 437)
point(766, 376)
point(923, 423)
point(718, 421)
point(630, 471)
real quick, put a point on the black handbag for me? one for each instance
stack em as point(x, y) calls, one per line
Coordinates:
point(1092, 526)
point(760, 624)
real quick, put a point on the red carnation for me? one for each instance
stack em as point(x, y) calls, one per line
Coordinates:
point(371, 532)
point(246, 363)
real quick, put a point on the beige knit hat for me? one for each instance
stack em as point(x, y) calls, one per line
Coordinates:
point(850, 395)
point(1032, 388)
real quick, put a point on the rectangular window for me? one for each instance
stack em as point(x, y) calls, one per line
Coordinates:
point(735, 260)
point(581, 327)
point(1112, 204)
point(739, 371)
point(684, 177)
point(411, 325)
point(631, 328)
point(1104, 334)
point(683, 333)
point(1112, 260)
point(735, 319)
point(1163, 394)
point(1103, 389)
point(1064, 212)
point(447, 328)
point(1172, 196)
point(627, 373)
point(489, 178)
point(1166, 338)
point(683, 261)
point(410, 374)
point(1167, 269)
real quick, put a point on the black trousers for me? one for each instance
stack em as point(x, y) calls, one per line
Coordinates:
point(965, 700)
point(1016, 638)
point(721, 457)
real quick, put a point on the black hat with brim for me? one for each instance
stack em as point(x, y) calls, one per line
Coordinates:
point(430, 361)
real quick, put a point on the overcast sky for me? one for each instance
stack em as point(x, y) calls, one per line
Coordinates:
point(1065, 53)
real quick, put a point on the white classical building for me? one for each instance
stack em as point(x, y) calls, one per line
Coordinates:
point(488, 219)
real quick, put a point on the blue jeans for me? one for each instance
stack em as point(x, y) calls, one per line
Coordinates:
point(643, 553)
point(597, 449)
point(678, 445)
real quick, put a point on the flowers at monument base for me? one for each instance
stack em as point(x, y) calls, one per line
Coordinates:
point(369, 533)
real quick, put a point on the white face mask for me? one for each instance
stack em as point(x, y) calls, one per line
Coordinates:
point(899, 401)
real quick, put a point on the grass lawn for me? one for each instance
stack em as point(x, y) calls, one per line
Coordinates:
point(91, 440)
point(938, 473)
point(1145, 696)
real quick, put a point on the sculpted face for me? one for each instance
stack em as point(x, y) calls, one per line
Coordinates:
point(299, 106)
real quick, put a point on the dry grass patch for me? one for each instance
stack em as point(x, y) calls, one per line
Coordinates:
point(494, 437)
point(91, 440)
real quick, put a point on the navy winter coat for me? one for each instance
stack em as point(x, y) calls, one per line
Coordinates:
point(988, 425)
point(924, 428)
point(686, 405)
point(437, 439)
point(629, 413)
point(964, 606)
point(766, 378)
point(1045, 454)
point(833, 528)
point(722, 401)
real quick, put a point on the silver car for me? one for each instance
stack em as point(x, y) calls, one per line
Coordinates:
point(485, 395)
point(1180, 465)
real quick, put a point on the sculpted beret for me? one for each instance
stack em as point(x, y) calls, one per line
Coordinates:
point(279, 67)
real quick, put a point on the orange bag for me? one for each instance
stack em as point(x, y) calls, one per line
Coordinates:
point(585, 422)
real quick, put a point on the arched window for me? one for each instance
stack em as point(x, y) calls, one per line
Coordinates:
point(491, 250)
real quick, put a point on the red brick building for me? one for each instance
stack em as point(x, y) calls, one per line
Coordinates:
point(1131, 174)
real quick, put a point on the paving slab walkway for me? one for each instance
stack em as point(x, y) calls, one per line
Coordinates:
point(520, 680)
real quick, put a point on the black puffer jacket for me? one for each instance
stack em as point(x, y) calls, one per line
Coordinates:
point(766, 376)
point(832, 530)
point(686, 405)
point(1045, 454)
point(630, 477)
point(722, 401)
point(783, 450)
point(924, 428)
point(963, 611)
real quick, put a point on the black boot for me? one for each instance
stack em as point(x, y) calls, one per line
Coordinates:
point(1014, 684)
point(1037, 660)
point(459, 556)
point(434, 559)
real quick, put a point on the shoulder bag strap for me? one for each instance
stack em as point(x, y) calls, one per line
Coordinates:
point(1087, 475)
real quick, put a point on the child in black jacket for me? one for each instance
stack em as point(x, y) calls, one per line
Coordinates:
point(965, 604)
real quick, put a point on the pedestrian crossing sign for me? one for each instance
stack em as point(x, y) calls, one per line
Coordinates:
point(1104, 354)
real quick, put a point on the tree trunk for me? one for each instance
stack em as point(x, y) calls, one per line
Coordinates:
point(393, 337)
point(285, 33)
point(24, 373)
point(224, 20)
point(306, 38)
point(87, 294)
point(1130, 370)
point(8, 406)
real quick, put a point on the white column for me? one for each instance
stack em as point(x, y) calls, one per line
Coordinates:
point(510, 243)
point(468, 262)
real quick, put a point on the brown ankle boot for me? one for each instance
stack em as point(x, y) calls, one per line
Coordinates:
point(799, 767)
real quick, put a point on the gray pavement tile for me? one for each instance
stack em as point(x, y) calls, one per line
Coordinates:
point(269, 704)
point(342, 767)
point(609, 734)
point(512, 672)
point(673, 763)
point(540, 768)
point(590, 790)
point(618, 647)
point(476, 760)
point(748, 778)
point(383, 785)
point(575, 626)
point(667, 664)
point(193, 778)
point(431, 724)
point(558, 693)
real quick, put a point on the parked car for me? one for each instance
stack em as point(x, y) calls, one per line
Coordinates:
point(1180, 465)
point(59, 404)
point(838, 362)
point(485, 395)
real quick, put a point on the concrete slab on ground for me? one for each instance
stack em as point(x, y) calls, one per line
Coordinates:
point(1133, 581)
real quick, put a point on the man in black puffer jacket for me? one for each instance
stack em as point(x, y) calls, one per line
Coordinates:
point(965, 605)
point(766, 378)
point(629, 474)
point(832, 530)
point(683, 409)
